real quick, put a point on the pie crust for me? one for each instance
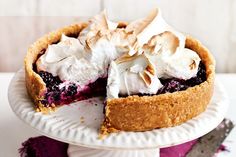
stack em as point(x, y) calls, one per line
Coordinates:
point(132, 113)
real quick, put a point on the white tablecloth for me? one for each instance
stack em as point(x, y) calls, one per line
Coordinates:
point(13, 131)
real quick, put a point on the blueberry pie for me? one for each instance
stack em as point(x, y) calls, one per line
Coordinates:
point(151, 75)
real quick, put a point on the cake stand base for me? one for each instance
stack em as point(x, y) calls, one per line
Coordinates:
point(77, 151)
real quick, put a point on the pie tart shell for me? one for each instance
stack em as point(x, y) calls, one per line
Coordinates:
point(132, 113)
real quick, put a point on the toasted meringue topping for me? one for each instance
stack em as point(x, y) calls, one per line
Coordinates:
point(145, 28)
point(193, 65)
point(148, 27)
point(147, 77)
point(85, 59)
point(99, 28)
point(138, 55)
point(164, 49)
point(165, 41)
point(182, 65)
point(134, 76)
point(99, 25)
point(67, 47)
point(125, 58)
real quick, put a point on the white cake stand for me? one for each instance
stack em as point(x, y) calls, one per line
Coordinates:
point(78, 124)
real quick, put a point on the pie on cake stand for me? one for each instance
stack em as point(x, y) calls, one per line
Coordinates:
point(78, 124)
point(151, 76)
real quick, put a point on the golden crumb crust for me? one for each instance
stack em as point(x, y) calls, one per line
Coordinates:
point(142, 113)
point(34, 83)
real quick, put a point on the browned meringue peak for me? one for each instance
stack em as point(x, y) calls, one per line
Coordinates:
point(130, 39)
point(55, 53)
point(125, 58)
point(143, 30)
point(166, 41)
point(101, 23)
point(138, 26)
point(148, 71)
point(99, 27)
point(193, 65)
point(131, 75)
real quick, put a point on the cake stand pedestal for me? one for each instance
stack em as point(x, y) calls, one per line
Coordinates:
point(77, 151)
point(78, 124)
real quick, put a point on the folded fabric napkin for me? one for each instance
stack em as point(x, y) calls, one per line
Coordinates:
point(178, 150)
point(43, 146)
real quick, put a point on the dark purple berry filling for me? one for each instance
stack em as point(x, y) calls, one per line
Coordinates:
point(50, 81)
point(173, 85)
point(71, 92)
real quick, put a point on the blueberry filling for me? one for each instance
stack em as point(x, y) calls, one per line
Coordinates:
point(173, 85)
point(50, 81)
point(72, 92)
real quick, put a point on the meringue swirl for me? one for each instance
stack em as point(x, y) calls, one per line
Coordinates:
point(133, 58)
point(85, 59)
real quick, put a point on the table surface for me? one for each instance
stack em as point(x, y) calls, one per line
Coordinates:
point(13, 131)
